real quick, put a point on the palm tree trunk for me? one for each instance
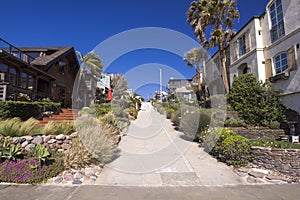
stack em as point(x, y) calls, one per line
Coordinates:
point(224, 70)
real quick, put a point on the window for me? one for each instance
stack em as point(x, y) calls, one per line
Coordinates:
point(3, 72)
point(276, 16)
point(12, 76)
point(30, 82)
point(242, 45)
point(281, 62)
point(23, 80)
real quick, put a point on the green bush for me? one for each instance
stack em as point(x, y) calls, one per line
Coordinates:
point(10, 127)
point(274, 125)
point(234, 150)
point(263, 142)
point(170, 112)
point(22, 110)
point(102, 109)
point(235, 123)
point(256, 102)
point(211, 139)
point(227, 146)
point(56, 128)
point(193, 123)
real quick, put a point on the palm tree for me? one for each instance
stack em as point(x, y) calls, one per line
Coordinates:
point(217, 16)
point(92, 62)
point(194, 58)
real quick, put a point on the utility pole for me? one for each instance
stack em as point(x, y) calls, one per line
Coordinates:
point(160, 83)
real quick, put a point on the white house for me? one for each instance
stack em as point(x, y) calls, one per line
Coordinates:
point(269, 46)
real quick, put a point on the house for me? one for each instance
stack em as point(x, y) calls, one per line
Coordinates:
point(182, 87)
point(39, 72)
point(267, 46)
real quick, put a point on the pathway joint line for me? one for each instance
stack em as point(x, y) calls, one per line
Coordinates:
point(186, 162)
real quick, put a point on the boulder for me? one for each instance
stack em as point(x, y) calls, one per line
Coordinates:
point(37, 140)
point(52, 141)
point(24, 144)
point(60, 137)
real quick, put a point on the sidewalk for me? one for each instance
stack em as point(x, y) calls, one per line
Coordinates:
point(265, 192)
point(154, 154)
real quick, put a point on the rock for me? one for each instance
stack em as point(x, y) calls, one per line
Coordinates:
point(68, 177)
point(47, 138)
point(60, 137)
point(59, 142)
point(66, 141)
point(65, 146)
point(78, 175)
point(254, 180)
point(28, 137)
point(52, 141)
point(93, 177)
point(60, 150)
point(67, 137)
point(52, 146)
point(77, 182)
point(276, 177)
point(74, 135)
point(21, 140)
point(256, 174)
point(37, 140)
point(24, 144)
point(243, 170)
point(58, 180)
point(28, 147)
point(15, 140)
point(263, 171)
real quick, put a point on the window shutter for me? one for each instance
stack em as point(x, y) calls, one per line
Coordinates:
point(248, 39)
point(291, 56)
point(268, 68)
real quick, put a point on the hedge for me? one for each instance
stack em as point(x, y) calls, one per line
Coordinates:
point(25, 110)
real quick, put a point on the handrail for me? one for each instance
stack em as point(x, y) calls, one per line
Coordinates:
point(9, 48)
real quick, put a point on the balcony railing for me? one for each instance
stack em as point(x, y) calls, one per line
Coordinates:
point(7, 47)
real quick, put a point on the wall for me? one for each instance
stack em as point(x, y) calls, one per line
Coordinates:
point(285, 161)
point(257, 133)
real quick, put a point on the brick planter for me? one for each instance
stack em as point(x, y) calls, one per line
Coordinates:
point(284, 161)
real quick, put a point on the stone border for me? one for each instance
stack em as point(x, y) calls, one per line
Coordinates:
point(283, 161)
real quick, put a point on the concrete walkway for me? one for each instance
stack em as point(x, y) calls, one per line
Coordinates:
point(154, 154)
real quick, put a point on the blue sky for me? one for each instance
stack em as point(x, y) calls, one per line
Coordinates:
point(85, 24)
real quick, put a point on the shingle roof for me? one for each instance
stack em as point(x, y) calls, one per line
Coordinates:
point(47, 59)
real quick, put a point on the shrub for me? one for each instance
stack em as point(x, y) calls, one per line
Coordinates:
point(29, 171)
point(274, 125)
point(170, 112)
point(29, 127)
point(263, 142)
point(234, 150)
point(95, 140)
point(256, 103)
point(102, 109)
point(22, 110)
point(77, 155)
point(195, 122)
point(56, 128)
point(235, 123)
point(227, 146)
point(211, 139)
point(10, 127)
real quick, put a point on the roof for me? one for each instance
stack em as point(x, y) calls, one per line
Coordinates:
point(183, 90)
point(47, 60)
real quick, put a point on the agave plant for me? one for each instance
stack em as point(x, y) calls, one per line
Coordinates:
point(12, 152)
point(40, 152)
